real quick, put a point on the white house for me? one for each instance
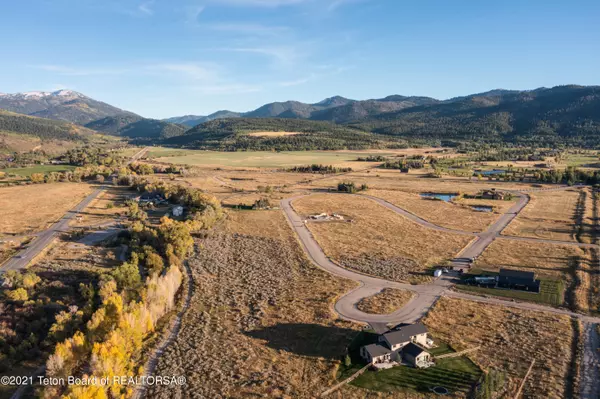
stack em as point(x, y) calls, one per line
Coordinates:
point(401, 343)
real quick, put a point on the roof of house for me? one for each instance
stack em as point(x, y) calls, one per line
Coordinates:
point(517, 274)
point(402, 334)
point(413, 350)
point(376, 350)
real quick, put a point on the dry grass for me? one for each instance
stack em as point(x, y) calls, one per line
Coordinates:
point(106, 207)
point(551, 215)
point(260, 323)
point(417, 182)
point(27, 209)
point(378, 241)
point(544, 259)
point(574, 265)
point(385, 302)
point(510, 339)
point(10, 246)
point(272, 134)
point(452, 215)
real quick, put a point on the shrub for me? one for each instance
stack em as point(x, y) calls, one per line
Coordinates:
point(19, 294)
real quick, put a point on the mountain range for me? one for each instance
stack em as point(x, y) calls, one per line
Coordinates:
point(550, 115)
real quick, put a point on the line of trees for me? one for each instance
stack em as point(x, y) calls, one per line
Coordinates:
point(317, 168)
point(133, 297)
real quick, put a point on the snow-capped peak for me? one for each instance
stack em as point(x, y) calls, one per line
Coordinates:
point(65, 92)
point(42, 94)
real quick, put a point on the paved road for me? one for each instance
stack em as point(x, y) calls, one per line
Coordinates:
point(44, 238)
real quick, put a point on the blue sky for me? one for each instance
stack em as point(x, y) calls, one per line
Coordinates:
point(163, 58)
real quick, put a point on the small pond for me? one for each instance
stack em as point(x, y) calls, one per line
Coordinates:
point(482, 208)
point(492, 172)
point(440, 196)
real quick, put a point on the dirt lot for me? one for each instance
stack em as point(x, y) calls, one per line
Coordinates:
point(378, 241)
point(260, 322)
point(553, 215)
point(510, 339)
point(385, 302)
point(452, 215)
point(27, 209)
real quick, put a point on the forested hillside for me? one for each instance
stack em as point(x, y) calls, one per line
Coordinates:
point(236, 134)
point(40, 127)
point(561, 115)
point(136, 127)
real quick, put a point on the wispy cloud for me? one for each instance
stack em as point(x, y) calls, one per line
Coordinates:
point(188, 70)
point(227, 89)
point(192, 13)
point(145, 8)
point(69, 71)
point(261, 3)
point(323, 71)
point(204, 78)
point(282, 54)
point(248, 28)
point(297, 82)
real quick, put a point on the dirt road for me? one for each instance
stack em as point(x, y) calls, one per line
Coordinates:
point(590, 366)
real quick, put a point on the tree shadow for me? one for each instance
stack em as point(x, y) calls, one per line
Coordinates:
point(306, 339)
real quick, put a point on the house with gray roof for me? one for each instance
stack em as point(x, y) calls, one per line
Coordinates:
point(403, 343)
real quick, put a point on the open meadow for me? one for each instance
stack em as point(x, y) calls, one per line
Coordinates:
point(31, 208)
point(274, 321)
point(458, 214)
point(554, 215)
point(510, 339)
point(376, 240)
point(267, 159)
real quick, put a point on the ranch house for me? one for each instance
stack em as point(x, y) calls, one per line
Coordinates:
point(403, 343)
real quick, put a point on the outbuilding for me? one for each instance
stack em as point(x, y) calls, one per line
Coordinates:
point(519, 280)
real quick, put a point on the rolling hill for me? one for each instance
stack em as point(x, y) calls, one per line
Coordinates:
point(563, 114)
point(290, 135)
point(136, 127)
point(20, 133)
point(195, 120)
point(65, 105)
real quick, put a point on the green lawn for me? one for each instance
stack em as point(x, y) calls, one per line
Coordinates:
point(552, 291)
point(457, 374)
point(256, 159)
point(28, 171)
point(581, 159)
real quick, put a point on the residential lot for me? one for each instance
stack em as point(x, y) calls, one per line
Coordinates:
point(378, 241)
point(510, 339)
